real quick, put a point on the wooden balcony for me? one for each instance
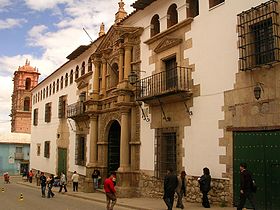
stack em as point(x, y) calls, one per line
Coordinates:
point(168, 86)
point(76, 110)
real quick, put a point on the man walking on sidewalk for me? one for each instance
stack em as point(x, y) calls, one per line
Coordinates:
point(43, 181)
point(110, 191)
point(170, 184)
point(75, 180)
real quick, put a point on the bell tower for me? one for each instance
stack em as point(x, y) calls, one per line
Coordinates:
point(25, 78)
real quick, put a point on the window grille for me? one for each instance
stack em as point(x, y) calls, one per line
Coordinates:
point(258, 33)
point(61, 106)
point(80, 151)
point(47, 149)
point(48, 110)
point(35, 117)
point(165, 153)
point(38, 149)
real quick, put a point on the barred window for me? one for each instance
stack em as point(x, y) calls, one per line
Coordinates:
point(48, 110)
point(61, 106)
point(165, 152)
point(47, 149)
point(38, 149)
point(258, 31)
point(71, 76)
point(80, 152)
point(35, 117)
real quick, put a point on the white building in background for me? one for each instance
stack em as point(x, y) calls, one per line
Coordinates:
point(204, 77)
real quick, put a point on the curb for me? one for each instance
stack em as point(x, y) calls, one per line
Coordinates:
point(89, 198)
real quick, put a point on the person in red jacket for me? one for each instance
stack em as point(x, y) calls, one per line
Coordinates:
point(110, 191)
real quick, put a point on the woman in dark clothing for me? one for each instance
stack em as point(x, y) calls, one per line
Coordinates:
point(205, 182)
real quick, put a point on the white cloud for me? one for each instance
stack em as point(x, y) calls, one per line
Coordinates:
point(4, 3)
point(41, 5)
point(11, 23)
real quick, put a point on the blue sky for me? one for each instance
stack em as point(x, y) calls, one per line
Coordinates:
point(45, 32)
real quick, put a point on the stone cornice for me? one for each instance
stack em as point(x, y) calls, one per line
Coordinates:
point(169, 31)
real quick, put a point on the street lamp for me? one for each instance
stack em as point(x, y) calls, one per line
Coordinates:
point(132, 77)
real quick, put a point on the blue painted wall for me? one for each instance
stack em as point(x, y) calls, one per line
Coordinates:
point(8, 163)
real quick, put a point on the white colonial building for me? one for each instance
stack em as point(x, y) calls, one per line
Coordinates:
point(204, 78)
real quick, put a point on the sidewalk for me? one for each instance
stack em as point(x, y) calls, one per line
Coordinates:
point(132, 203)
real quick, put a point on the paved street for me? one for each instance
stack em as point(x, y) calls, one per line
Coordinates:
point(32, 200)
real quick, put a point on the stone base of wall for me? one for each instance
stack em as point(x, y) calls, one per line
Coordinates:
point(219, 194)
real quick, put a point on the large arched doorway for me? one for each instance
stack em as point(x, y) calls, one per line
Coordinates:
point(114, 136)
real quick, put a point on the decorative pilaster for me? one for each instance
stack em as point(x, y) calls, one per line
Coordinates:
point(127, 61)
point(104, 71)
point(96, 87)
point(93, 141)
point(121, 53)
point(124, 150)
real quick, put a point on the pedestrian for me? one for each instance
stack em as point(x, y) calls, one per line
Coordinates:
point(75, 180)
point(30, 176)
point(110, 191)
point(62, 182)
point(246, 191)
point(205, 186)
point(6, 178)
point(95, 177)
point(37, 176)
point(170, 185)
point(181, 189)
point(43, 181)
point(50, 181)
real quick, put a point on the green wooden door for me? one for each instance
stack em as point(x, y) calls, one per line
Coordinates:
point(260, 150)
point(62, 161)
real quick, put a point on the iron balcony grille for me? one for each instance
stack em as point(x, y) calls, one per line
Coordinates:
point(258, 32)
point(76, 109)
point(173, 80)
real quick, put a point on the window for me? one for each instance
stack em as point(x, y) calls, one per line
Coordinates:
point(41, 95)
point(50, 89)
point(83, 70)
point(44, 93)
point(19, 149)
point(47, 149)
point(165, 152)
point(172, 15)
point(61, 82)
point(258, 32)
point(57, 85)
point(77, 72)
point(89, 65)
point(48, 109)
point(213, 3)
point(155, 25)
point(35, 117)
point(66, 79)
point(80, 153)
point(192, 8)
point(38, 149)
point(27, 84)
point(53, 87)
point(61, 107)
point(26, 103)
point(71, 76)
point(47, 92)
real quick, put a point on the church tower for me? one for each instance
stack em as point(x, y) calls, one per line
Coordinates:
point(25, 78)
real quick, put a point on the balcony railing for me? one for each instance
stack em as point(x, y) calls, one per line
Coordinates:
point(164, 83)
point(19, 155)
point(75, 110)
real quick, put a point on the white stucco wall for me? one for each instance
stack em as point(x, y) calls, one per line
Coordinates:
point(215, 55)
point(48, 131)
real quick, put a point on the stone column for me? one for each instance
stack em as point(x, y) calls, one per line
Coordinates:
point(93, 141)
point(96, 80)
point(124, 150)
point(104, 71)
point(121, 65)
point(127, 61)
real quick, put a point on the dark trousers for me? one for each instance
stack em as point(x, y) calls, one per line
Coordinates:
point(180, 198)
point(169, 200)
point(43, 190)
point(205, 201)
point(246, 195)
point(62, 186)
point(75, 186)
point(50, 192)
